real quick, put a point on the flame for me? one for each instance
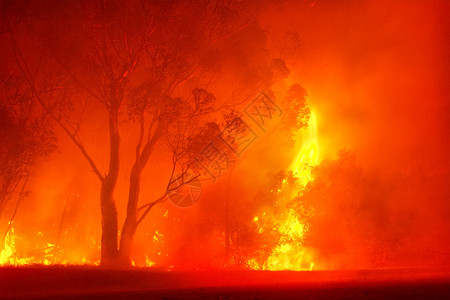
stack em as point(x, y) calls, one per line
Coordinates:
point(9, 248)
point(45, 253)
point(308, 155)
point(289, 253)
point(8, 256)
point(148, 263)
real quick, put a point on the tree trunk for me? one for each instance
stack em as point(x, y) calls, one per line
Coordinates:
point(131, 221)
point(109, 251)
point(109, 225)
point(130, 225)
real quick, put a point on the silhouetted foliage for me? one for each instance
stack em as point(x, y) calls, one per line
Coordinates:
point(26, 136)
point(297, 114)
point(351, 210)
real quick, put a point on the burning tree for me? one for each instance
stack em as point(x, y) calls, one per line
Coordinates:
point(261, 228)
point(160, 62)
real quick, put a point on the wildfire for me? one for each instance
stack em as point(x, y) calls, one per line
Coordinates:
point(287, 228)
point(8, 256)
point(289, 252)
point(44, 253)
point(308, 156)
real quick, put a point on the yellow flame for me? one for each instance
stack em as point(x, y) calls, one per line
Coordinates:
point(8, 256)
point(289, 257)
point(148, 263)
point(308, 155)
point(45, 254)
point(289, 253)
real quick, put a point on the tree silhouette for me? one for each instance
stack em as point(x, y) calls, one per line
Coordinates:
point(351, 208)
point(162, 64)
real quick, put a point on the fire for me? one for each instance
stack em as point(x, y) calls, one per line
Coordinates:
point(289, 253)
point(44, 253)
point(8, 256)
point(17, 251)
point(286, 229)
point(308, 156)
point(149, 263)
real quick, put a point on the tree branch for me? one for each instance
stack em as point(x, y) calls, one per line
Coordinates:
point(30, 80)
point(149, 207)
point(102, 101)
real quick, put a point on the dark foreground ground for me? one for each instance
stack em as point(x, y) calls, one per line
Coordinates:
point(94, 283)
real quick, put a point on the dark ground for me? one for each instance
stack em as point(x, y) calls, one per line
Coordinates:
point(95, 283)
